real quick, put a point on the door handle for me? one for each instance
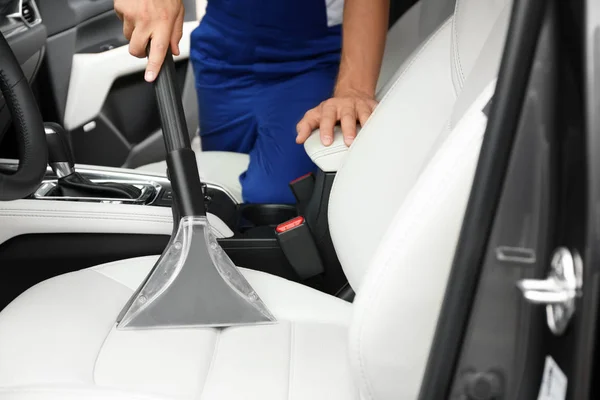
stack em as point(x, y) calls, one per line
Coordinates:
point(559, 291)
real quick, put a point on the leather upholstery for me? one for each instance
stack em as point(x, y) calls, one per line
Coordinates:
point(86, 357)
point(418, 152)
point(407, 34)
point(21, 217)
point(411, 122)
point(28, 125)
point(327, 158)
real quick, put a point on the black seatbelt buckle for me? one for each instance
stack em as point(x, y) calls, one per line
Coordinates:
point(298, 245)
point(303, 188)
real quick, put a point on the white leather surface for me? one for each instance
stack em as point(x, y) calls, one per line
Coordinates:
point(22, 217)
point(389, 154)
point(78, 349)
point(216, 167)
point(417, 153)
point(327, 158)
point(411, 122)
point(92, 75)
point(402, 39)
point(396, 309)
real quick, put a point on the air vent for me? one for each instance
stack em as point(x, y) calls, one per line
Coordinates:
point(28, 13)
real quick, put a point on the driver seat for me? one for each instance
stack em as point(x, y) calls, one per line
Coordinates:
point(417, 154)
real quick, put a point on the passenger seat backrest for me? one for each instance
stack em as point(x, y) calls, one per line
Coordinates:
point(397, 308)
point(411, 121)
point(414, 162)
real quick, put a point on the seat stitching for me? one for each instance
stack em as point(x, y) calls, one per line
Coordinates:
point(291, 366)
point(212, 361)
point(405, 71)
point(454, 75)
point(105, 217)
point(110, 330)
point(87, 217)
point(456, 47)
point(92, 212)
point(396, 83)
point(105, 338)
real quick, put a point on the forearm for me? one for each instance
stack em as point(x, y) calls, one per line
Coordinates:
point(364, 31)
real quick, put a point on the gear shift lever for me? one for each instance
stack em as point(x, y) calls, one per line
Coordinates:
point(60, 156)
point(70, 182)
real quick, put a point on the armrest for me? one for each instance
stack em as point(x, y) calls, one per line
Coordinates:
point(328, 158)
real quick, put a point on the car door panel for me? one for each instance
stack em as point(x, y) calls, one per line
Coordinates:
point(95, 73)
point(95, 88)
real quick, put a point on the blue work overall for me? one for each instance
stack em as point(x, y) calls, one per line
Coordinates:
point(259, 66)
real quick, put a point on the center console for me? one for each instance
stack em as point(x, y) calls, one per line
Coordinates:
point(290, 241)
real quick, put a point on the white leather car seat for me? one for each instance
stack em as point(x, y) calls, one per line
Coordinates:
point(416, 24)
point(417, 154)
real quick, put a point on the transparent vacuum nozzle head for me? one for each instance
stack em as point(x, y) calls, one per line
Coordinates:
point(194, 284)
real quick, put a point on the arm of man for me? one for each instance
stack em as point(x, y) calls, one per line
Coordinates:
point(158, 20)
point(365, 28)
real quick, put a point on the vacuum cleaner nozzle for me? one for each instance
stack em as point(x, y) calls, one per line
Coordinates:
point(194, 284)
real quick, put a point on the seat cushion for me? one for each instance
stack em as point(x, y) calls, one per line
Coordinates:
point(219, 168)
point(58, 341)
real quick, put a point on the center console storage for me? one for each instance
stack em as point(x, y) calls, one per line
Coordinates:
point(290, 241)
point(252, 216)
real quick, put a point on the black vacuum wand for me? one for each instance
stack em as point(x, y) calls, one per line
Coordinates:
point(194, 283)
point(181, 162)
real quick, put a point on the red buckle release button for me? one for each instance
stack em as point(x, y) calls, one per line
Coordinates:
point(291, 224)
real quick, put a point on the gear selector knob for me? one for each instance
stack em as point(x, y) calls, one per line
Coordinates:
point(73, 184)
point(60, 155)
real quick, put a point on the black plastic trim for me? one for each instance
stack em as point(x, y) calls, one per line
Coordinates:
point(27, 43)
point(34, 258)
point(60, 253)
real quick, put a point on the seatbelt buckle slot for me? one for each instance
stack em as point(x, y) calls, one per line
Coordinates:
point(303, 188)
point(296, 242)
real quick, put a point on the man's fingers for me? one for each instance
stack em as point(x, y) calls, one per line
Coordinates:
point(328, 121)
point(158, 51)
point(138, 42)
point(307, 125)
point(118, 7)
point(127, 29)
point(177, 32)
point(348, 119)
point(372, 104)
point(364, 111)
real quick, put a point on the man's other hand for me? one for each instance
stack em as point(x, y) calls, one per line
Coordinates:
point(158, 20)
point(347, 107)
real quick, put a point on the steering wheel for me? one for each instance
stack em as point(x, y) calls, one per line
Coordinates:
point(28, 125)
